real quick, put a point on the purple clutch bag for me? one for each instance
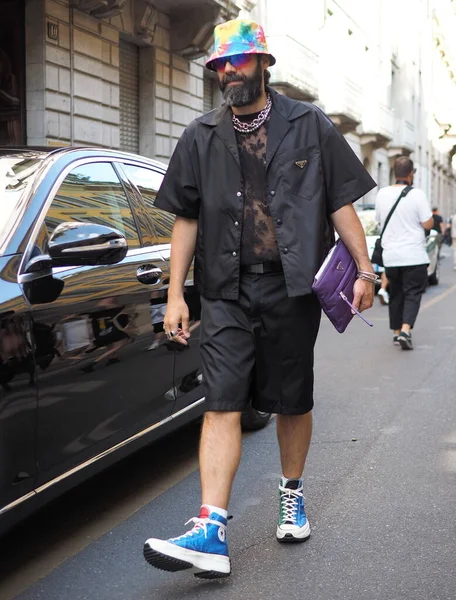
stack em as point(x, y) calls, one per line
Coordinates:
point(333, 286)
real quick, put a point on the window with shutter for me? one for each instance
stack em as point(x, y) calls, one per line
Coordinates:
point(129, 96)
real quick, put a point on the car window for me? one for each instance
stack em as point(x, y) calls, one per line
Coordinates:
point(148, 182)
point(92, 193)
point(17, 174)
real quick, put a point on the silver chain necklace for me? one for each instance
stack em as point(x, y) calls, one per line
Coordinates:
point(257, 121)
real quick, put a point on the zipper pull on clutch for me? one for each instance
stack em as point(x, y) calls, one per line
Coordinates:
point(355, 311)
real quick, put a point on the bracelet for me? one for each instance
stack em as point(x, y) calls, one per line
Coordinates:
point(367, 276)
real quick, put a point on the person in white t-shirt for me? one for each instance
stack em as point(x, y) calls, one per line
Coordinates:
point(404, 253)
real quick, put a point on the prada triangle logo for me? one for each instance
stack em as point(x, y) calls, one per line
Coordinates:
point(301, 163)
point(340, 267)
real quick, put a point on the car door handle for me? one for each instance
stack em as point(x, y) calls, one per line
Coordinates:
point(148, 274)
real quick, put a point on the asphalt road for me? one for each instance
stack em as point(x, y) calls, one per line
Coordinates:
point(380, 489)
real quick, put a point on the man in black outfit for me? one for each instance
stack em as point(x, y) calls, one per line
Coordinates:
point(257, 187)
point(438, 225)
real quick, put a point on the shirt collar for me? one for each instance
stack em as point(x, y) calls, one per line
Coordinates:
point(288, 108)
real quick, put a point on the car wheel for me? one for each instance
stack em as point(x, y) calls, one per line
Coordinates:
point(434, 277)
point(253, 419)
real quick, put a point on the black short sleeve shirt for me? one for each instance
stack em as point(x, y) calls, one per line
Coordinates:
point(311, 172)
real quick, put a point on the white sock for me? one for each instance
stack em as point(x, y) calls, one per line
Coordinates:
point(220, 511)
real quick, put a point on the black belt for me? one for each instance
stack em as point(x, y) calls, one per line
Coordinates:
point(268, 266)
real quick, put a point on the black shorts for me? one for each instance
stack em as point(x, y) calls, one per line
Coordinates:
point(260, 347)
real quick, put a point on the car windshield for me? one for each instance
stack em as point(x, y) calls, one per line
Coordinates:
point(16, 174)
point(370, 225)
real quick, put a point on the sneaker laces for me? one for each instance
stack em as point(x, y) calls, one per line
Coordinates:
point(199, 524)
point(289, 503)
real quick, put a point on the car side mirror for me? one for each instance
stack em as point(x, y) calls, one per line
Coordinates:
point(86, 244)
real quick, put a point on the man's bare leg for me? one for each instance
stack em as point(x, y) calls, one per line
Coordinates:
point(204, 548)
point(294, 433)
point(220, 454)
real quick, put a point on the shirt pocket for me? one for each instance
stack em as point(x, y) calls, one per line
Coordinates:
point(301, 172)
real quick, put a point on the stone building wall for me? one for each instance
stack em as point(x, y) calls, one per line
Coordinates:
point(72, 83)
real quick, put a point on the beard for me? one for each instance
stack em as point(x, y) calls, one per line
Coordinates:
point(247, 92)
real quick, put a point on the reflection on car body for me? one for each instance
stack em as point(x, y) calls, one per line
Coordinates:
point(87, 374)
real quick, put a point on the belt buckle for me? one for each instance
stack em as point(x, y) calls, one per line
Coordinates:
point(258, 268)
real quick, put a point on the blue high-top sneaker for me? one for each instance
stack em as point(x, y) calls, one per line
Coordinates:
point(203, 549)
point(293, 524)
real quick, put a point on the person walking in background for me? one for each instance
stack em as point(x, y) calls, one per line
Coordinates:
point(382, 293)
point(404, 253)
point(447, 235)
point(438, 224)
point(257, 187)
point(453, 239)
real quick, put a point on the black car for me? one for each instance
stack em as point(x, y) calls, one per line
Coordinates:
point(87, 374)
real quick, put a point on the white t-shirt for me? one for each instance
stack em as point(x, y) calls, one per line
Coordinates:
point(404, 239)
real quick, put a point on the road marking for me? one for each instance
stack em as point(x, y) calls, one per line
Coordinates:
point(392, 430)
point(448, 460)
point(445, 294)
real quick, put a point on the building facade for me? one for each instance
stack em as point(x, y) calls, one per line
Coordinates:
point(119, 73)
point(384, 71)
point(129, 74)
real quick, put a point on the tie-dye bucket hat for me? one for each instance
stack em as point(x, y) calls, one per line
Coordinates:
point(238, 36)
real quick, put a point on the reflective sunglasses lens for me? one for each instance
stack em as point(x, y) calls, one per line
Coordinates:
point(219, 64)
point(239, 60)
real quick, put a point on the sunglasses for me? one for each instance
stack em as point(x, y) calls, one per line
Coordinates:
point(237, 61)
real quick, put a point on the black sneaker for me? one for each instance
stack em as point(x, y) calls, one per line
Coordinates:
point(405, 340)
point(396, 340)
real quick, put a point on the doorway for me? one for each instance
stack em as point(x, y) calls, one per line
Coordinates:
point(12, 73)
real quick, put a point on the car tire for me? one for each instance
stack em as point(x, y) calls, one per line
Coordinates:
point(434, 277)
point(252, 419)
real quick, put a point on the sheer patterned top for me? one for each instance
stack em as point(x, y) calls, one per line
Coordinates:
point(258, 242)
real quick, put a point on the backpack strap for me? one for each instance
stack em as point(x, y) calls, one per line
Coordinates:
point(404, 193)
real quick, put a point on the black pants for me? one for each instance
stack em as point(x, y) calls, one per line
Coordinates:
point(259, 347)
point(406, 286)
